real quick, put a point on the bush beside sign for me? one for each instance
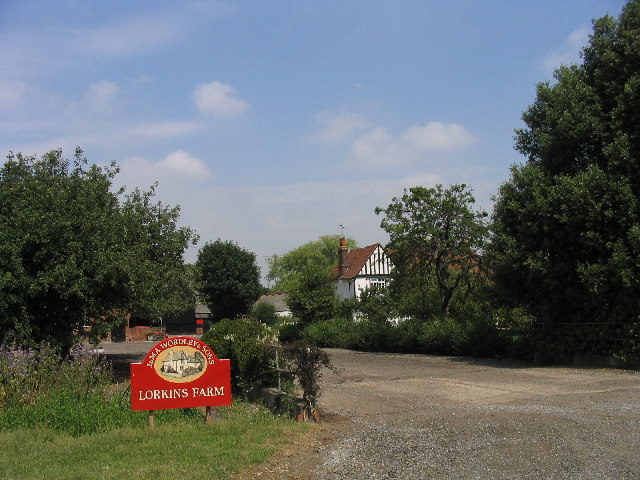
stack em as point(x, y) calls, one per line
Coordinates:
point(180, 372)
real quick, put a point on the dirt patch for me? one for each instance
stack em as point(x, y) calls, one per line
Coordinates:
point(300, 459)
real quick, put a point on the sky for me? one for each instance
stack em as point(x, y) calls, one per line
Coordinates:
point(273, 122)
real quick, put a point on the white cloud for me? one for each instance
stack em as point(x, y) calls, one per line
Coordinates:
point(380, 148)
point(178, 166)
point(436, 135)
point(101, 96)
point(569, 52)
point(337, 127)
point(183, 164)
point(219, 99)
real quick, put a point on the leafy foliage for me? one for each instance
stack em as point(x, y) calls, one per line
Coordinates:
point(72, 250)
point(435, 232)
point(567, 223)
point(246, 342)
point(286, 270)
point(229, 279)
point(476, 336)
point(266, 313)
point(314, 298)
point(307, 362)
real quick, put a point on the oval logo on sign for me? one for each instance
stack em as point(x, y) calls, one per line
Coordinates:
point(180, 364)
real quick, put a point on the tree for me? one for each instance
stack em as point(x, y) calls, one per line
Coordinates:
point(265, 313)
point(286, 270)
point(434, 232)
point(314, 297)
point(567, 223)
point(73, 252)
point(229, 279)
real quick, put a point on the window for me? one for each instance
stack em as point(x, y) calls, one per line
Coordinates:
point(377, 283)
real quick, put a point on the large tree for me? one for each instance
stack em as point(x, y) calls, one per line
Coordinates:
point(286, 271)
point(313, 297)
point(567, 223)
point(73, 251)
point(434, 234)
point(229, 279)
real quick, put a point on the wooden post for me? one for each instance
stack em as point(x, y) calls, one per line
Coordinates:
point(151, 420)
point(207, 415)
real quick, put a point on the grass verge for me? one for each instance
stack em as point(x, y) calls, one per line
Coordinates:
point(244, 434)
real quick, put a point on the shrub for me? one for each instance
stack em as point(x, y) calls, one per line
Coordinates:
point(373, 328)
point(483, 339)
point(30, 374)
point(475, 336)
point(443, 336)
point(245, 342)
point(515, 328)
point(266, 313)
point(373, 335)
point(289, 331)
point(306, 362)
point(629, 350)
point(334, 333)
point(473, 332)
point(407, 336)
point(558, 343)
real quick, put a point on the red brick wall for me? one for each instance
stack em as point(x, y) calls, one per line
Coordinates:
point(144, 334)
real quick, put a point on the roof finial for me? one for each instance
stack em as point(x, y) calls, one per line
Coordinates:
point(341, 229)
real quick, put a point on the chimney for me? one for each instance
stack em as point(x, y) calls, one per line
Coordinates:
point(342, 254)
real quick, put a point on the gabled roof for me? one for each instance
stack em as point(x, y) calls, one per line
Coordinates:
point(354, 260)
point(202, 310)
point(278, 300)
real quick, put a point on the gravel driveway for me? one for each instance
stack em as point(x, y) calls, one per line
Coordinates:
point(415, 417)
point(422, 417)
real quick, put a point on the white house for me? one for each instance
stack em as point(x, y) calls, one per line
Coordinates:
point(361, 269)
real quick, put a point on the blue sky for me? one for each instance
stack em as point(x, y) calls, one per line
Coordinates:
point(273, 122)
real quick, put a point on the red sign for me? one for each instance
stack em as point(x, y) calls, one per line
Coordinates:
point(180, 372)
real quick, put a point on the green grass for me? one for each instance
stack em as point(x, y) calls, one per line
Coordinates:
point(244, 434)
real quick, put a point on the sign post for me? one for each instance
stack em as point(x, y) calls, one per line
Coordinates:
point(180, 372)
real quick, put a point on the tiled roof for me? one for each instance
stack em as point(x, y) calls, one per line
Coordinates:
point(278, 300)
point(354, 260)
point(202, 309)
